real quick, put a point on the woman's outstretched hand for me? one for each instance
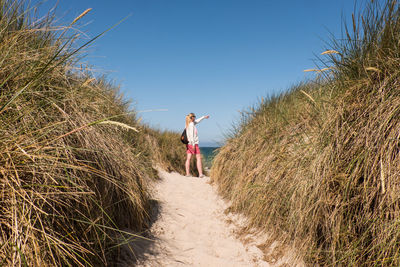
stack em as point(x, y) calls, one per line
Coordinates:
point(206, 117)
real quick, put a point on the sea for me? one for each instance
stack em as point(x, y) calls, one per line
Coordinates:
point(208, 153)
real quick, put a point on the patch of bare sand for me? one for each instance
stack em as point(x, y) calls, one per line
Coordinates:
point(193, 230)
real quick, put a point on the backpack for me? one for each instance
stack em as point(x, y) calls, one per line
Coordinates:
point(184, 138)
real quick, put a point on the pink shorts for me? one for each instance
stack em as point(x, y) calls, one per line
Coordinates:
point(190, 150)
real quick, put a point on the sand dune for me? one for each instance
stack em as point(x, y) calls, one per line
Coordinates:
point(193, 230)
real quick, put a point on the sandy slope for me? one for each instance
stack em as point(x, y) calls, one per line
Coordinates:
point(192, 229)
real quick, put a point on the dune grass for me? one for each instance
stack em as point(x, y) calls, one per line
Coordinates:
point(75, 165)
point(318, 166)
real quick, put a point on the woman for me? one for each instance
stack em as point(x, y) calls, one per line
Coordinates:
point(193, 147)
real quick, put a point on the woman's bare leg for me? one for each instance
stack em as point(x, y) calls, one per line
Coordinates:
point(187, 164)
point(199, 165)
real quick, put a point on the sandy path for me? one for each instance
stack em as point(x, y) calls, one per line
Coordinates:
point(192, 229)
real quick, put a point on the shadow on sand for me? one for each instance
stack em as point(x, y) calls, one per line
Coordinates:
point(134, 247)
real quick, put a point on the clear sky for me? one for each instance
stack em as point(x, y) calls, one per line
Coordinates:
point(213, 57)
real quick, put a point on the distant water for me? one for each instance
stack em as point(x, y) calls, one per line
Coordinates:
point(208, 155)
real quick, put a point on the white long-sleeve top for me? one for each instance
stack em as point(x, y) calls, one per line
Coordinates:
point(191, 132)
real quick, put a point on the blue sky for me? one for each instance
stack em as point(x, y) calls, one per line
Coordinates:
point(213, 57)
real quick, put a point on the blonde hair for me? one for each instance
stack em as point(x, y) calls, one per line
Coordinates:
point(188, 119)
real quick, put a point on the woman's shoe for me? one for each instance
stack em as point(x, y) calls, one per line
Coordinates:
point(201, 176)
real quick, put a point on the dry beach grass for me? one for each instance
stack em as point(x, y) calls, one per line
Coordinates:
point(74, 162)
point(319, 165)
